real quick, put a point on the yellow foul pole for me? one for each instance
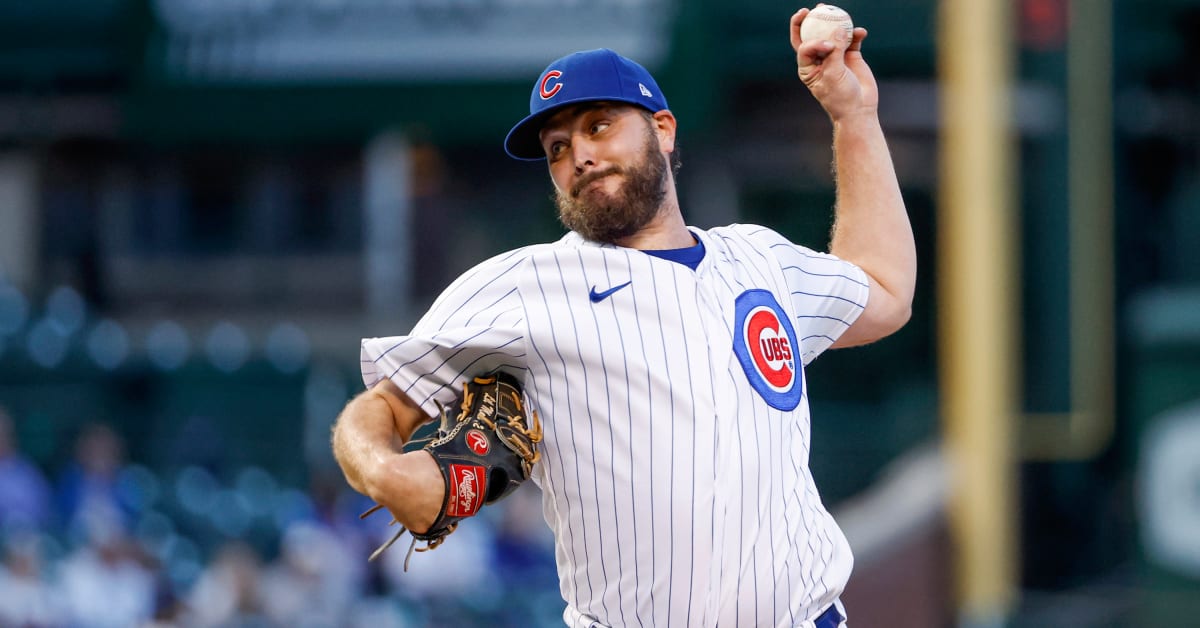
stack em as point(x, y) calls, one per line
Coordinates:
point(977, 300)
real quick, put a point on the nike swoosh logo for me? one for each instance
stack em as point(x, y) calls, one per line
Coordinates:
point(597, 297)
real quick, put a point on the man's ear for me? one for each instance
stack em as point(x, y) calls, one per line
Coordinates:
point(664, 126)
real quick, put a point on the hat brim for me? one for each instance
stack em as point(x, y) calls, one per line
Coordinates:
point(524, 142)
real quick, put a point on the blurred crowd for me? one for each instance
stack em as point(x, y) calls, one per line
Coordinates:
point(99, 540)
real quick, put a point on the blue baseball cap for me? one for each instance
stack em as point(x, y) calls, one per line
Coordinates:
point(585, 76)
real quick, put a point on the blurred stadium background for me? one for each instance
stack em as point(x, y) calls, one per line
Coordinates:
point(205, 204)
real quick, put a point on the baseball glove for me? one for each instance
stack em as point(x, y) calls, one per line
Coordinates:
point(485, 452)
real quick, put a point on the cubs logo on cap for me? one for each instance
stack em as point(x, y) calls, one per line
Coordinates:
point(591, 75)
point(550, 84)
point(766, 346)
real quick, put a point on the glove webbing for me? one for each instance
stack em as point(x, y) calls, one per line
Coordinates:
point(430, 543)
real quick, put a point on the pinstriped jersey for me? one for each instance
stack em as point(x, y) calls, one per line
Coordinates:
point(675, 470)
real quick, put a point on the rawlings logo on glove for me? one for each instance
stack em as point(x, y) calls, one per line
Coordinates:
point(465, 490)
point(476, 473)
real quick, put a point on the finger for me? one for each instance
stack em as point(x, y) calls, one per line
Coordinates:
point(856, 39)
point(814, 52)
point(797, 18)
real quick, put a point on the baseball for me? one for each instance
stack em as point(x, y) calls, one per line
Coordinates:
point(824, 21)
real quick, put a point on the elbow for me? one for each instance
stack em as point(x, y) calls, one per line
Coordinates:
point(888, 320)
point(893, 322)
point(337, 444)
point(899, 313)
point(873, 326)
point(897, 305)
point(902, 316)
point(886, 313)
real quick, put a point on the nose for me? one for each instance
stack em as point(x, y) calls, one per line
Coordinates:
point(583, 154)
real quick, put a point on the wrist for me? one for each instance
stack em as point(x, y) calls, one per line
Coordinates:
point(402, 477)
point(385, 477)
point(859, 118)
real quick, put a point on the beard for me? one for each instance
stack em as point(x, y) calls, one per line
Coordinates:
point(601, 217)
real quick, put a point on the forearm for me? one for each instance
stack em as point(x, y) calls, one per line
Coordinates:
point(369, 436)
point(363, 439)
point(871, 226)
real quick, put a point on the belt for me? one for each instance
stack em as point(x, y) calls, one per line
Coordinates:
point(831, 618)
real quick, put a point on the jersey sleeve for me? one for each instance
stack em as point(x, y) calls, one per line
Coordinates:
point(476, 325)
point(828, 293)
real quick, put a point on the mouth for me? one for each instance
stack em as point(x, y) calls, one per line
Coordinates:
point(588, 181)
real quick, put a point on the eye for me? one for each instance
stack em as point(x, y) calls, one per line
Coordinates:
point(556, 149)
point(597, 127)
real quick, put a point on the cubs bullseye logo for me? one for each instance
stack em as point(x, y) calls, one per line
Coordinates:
point(548, 92)
point(766, 346)
point(772, 353)
point(478, 442)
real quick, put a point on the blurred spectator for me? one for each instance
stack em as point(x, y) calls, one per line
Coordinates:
point(26, 597)
point(89, 495)
point(227, 594)
point(338, 507)
point(524, 543)
point(314, 581)
point(320, 578)
point(469, 549)
point(106, 583)
point(24, 491)
point(524, 554)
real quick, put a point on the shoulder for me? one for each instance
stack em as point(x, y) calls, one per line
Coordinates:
point(506, 263)
point(772, 241)
point(518, 256)
point(518, 261)
point(747, 233)
point(757, 237)
point(499, 272)
point(796, 260)
point(503, 271)
point(755, 234)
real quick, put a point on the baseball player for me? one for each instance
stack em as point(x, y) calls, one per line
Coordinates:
point(666, 361)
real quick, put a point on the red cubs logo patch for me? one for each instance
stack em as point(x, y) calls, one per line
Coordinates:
point(547, 90)
point(466, 490)
point(770, 348)
point(478, 442)
point(765, 343)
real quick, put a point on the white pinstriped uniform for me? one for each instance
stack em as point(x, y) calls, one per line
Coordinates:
point(678, 490)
